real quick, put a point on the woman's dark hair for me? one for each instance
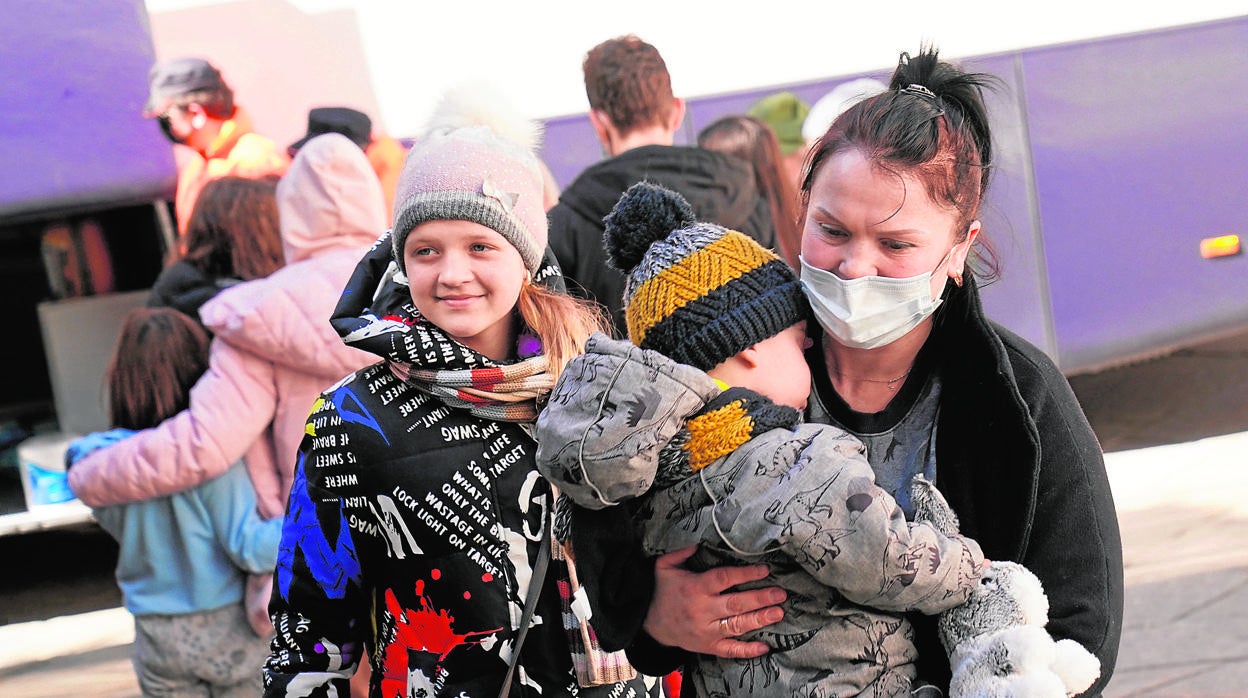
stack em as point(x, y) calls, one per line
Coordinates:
point(233, 230)
point(752, 140)
point(159, 356)
point(931, 124)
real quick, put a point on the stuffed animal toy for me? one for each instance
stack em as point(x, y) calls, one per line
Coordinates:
point(996, 641)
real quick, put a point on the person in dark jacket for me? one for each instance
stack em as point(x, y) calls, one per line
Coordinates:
point(418, 525)
point(233, 235)
point(905, 359)
point(636, 117)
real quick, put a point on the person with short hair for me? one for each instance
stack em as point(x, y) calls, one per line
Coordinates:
point(195, 107)
point(636, 117)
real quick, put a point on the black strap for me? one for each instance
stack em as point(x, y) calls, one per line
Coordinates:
point(530, 605)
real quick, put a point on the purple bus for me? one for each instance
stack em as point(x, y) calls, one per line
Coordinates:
point(1118, 158)
point(1122, 175)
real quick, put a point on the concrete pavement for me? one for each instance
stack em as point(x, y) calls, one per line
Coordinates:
point(1184, 515)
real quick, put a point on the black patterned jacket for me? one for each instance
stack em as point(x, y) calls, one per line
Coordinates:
point(412, 532)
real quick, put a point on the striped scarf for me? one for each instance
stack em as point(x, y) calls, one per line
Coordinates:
point(506, 393)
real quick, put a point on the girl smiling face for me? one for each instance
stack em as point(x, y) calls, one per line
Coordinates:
point(466, 279)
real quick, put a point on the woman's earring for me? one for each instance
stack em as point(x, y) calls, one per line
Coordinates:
point(199, 120)
point(957, 278)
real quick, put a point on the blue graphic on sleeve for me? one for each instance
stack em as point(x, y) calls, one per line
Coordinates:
point(331, 566)
point(352, 412)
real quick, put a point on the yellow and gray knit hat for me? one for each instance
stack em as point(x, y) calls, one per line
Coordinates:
point(696, 292)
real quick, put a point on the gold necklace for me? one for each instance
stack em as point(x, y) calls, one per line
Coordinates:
point(891, 382)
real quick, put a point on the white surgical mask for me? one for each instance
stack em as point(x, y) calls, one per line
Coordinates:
point(870, 311)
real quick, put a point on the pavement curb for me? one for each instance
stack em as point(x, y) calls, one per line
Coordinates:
point(40, 640)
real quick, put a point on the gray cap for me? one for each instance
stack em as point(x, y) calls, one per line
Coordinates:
point(181, 76)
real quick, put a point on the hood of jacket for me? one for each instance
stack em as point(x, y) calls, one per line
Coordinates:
point(185, 288)
point(613, 409)
point(331, 209)
point(719, 187)
point(329, 198)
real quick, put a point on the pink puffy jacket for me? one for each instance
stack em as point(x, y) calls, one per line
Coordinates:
point(273, 351)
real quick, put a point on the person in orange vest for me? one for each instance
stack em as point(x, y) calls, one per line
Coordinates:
point(195, 107)
point(384, 153)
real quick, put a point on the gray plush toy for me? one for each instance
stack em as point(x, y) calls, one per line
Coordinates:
point(996, 641)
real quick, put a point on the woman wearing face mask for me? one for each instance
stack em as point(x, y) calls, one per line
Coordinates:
point(904, 358)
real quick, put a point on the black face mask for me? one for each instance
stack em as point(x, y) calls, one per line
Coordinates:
point(166, 128)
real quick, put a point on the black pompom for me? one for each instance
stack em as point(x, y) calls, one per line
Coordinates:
point(645, 213)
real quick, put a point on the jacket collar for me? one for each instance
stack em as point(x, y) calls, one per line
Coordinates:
point(232, 129)
point(988, 449)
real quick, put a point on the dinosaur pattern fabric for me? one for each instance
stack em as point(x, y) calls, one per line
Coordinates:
point(799, 497)
point(413, 529)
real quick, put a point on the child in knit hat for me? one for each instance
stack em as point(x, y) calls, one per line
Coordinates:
point(418, 530)
point(693, 430)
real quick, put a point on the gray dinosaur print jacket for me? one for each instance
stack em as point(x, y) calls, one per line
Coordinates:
point(728, 470)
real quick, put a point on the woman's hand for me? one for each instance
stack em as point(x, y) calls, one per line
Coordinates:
point(691, 610)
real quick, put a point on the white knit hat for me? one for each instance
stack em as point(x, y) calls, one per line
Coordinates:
point(835, 102)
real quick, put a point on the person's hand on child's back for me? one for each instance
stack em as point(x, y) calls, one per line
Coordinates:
point(695, 611)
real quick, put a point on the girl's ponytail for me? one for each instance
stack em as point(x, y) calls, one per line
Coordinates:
point(561, 322)
point(959, 96)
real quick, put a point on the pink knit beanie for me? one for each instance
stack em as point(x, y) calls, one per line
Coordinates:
point(473, 174)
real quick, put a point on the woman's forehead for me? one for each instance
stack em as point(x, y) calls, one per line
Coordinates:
point(849, 185)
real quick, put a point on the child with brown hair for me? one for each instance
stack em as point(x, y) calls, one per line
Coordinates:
point(233, 236)
point(183, 558)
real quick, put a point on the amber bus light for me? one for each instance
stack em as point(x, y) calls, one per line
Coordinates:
point(1221, 246)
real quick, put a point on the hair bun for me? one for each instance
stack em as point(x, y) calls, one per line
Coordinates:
point(644, 214)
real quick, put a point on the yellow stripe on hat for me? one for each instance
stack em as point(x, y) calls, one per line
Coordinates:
point(729, 257)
